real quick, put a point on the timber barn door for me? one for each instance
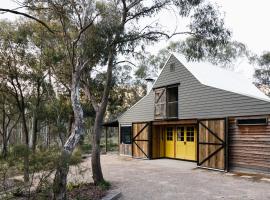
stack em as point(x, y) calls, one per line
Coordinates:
point(212, 145)
point(141, 140)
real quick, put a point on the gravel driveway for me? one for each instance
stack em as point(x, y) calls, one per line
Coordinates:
point(173, 179)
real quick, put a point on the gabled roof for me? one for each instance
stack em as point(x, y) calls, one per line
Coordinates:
point(205, 91)
point(225, 79)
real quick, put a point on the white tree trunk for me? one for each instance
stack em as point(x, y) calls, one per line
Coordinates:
point(60, 180)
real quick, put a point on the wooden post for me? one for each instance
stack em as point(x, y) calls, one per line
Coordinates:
point(106, 139)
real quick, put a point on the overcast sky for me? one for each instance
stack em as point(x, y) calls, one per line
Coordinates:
point(248, 20)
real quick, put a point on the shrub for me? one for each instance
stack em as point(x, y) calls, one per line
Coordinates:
point(76, 157)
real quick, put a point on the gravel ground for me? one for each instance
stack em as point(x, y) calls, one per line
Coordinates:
point(173, 179)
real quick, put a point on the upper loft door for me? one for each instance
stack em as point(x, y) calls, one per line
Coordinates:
point(160, 103)
point(166, 102)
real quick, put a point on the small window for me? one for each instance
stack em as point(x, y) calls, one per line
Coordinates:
point(172, 67)
point(181, 134)
point(125, 135)
point(172, 102)
point(190, 134)
point(254, 121)
point(169, 134)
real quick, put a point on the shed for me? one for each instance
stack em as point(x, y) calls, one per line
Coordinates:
point(202, 113)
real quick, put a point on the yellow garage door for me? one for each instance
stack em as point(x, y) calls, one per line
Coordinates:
point(169, 142)
point(185, 143)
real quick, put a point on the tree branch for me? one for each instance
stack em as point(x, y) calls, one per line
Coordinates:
point(125, 61)
point(28, 16)
point(90, 96)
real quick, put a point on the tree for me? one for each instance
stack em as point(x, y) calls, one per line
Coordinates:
point(262, 73)
point(9, 118)
point(15, 61)
point(75, 18)
point(125, 35)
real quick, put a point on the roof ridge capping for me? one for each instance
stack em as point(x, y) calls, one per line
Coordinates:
point(210, 75)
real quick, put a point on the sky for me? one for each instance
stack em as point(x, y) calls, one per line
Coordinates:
point(248, 20)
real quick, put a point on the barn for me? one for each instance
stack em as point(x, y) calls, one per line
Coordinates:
point(201, 113)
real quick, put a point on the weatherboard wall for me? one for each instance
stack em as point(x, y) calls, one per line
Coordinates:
point(195, 99)
point(142, 111)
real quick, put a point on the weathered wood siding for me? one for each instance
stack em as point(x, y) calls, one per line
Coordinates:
point(125, 149)
point(140, 143)
point(217, 161)
point(249, 146)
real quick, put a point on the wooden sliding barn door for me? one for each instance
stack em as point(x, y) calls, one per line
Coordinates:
point(212, 145)
point(141, 141)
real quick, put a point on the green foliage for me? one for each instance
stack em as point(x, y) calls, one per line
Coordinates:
point(76, 157)
point(104, 185)
point(262, 72)
point(19, 151)
point(86, 148)
point(41, 160)
point(46, 158)
point(71, 186)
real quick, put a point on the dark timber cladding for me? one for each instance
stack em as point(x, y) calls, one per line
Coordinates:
point(249, 146)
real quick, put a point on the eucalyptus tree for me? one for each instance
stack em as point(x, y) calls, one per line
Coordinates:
point(9, 117)
point(15, 61)
point(74, 19)
point(124, 33)
point(262, 72)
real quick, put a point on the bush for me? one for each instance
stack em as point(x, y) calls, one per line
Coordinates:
point(76, 157)
point(86, 148)
point(19, 151)
point(104, 185)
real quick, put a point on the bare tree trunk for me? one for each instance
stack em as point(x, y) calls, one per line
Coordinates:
point(26, 156)
point(34, 132)
point(4, 132)
point(5, 146)
point(100, 111)
point(60, 179)
point(95, 157)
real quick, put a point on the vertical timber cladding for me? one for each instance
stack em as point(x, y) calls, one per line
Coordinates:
point(212, 148)
point(141, 141)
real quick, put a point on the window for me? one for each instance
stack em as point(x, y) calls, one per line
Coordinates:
point(170, 134)
point(172, 103)
point(172, 67)
point(180, 134)
point(252, 121)
point(190, 134)
point(125, 135)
